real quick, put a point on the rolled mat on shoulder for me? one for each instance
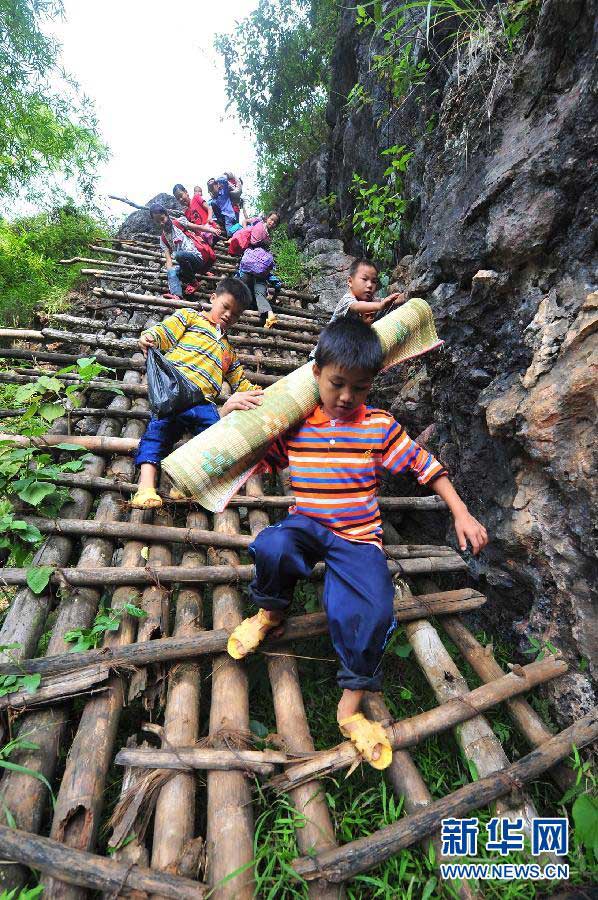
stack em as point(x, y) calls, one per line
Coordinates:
point(212, 467)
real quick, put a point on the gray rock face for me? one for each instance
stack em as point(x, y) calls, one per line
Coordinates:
point(501, 242)
point(139, 222)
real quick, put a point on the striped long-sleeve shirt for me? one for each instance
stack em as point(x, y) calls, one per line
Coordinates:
point(201, 351)
point(335, 465)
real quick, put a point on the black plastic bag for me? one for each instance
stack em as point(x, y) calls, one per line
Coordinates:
point(168, 390)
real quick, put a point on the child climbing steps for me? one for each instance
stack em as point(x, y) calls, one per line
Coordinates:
point(335, 457)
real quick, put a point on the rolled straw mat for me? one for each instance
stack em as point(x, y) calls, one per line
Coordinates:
point(212, 467)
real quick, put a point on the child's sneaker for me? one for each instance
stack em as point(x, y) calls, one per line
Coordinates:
point(271, 320)
point(190, 290)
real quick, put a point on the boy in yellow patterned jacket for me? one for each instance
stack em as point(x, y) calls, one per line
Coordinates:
point(196, 343)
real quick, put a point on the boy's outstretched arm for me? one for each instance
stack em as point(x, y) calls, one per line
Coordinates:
point(369, 306)
point(466, 526)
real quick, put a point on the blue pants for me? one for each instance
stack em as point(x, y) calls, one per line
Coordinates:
point(188, 266)
point(161, 435)
point(358, 591)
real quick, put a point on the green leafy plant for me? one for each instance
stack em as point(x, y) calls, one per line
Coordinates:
point(9, 684)
point(276, 63)
point(290, 262)
point(30, 252)
point(23, 893)
point(540, 648)
point(14, 746)
point(379, 209)
point(105, 621)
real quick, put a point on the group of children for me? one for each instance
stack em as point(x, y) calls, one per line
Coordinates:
point(334, 460)
point(188, 240)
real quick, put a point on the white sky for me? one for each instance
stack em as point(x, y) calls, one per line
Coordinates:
point(158, 87)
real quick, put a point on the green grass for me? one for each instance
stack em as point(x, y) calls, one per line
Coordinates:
point(364, 803)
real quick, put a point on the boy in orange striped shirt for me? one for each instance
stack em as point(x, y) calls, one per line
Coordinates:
point(335, 457)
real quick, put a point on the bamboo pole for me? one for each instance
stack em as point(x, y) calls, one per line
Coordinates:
point(91, 442)
point(83, 411)
point(174, 822)
point(289, 315)
point(409, 732)
point(526, 719)
point(103, 262)
point(262, 762)
point(155, 602)
point(361, 855)
point(317, 831)
point(185, 535)
point(407, 783)
point(209, 642)
point(91, 871)
point(143, 255)
point(99, 324)
point(115, 362)
point(208, 574)
point(430, 504)
point(478, 742)
point(229, 838)
point(25, 796)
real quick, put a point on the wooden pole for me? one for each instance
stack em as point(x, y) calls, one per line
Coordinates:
point(526, 719)
point(83, 411)
point(476, 738)
point(407, 783)
point(210, 642)
point(409, 732)
point(429, 504)
point(91, 871)
point(262, 762)
point(25, 796)
point(208, 574)
point(204, 536)
point(229, 838)
point(365, 853)
point(91, 442)
point(316, 832)
point(174, 821)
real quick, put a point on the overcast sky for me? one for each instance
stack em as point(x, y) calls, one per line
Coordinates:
point(158, 87)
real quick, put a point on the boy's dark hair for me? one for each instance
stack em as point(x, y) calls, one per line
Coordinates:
point(178, 187)
point(351, 344)
point(357, 263)
point(236, 289)
point(156, 209)
point(274, 212)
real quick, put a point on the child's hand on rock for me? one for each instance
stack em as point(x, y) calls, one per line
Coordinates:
point(243, 400)
point(469, 529)
point(146, 341)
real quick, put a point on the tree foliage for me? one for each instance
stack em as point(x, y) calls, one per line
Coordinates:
point(46, 124)
point(276, 68)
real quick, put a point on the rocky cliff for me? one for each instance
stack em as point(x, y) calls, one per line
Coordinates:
point(501, 240)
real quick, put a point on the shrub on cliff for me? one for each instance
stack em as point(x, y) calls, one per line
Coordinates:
point(30, 250)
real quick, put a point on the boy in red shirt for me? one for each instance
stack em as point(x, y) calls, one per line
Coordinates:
point(335, 457)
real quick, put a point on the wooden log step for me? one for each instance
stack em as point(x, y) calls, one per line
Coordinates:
point(124, 362)
point(526, 719)
point(209, 642)
point(179, 535)
point(118, 879)
point(57, 688)
point(209, 574)
point(82, 323)
point(262, 762)
point(93, 411)
point(409, 732)
point(95, 340)
point(365, 853)
point(287, 313)
point(26, 375)
point(97, 483)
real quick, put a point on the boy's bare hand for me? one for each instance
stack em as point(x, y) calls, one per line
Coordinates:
point(243, 400)
point(397, 298)
point(146, 341)
point(469, 529)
